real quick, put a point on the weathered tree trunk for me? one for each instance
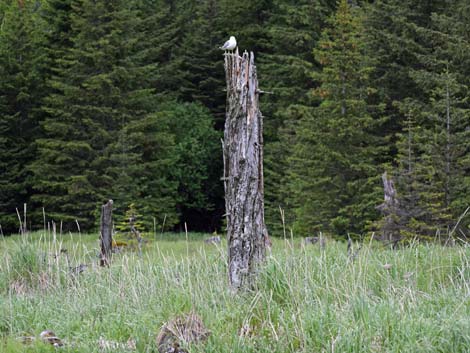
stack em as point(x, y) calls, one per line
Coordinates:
point(390, 193)
point(243, 172)
point(391, 211)
point(106, 229)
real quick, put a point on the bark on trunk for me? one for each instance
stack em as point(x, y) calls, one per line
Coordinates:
point(390, 193)
point(247, 235)
point(106, 229)
point(391, 211)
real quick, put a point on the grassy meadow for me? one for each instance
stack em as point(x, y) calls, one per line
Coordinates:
point(414, 299)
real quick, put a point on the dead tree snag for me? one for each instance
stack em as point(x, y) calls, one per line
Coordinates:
point(243, 171)
point(391, 210)
point(106, 230)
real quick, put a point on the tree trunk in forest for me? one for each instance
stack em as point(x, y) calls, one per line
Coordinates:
point(391, 211)
point(106, 229)
point(247, 235)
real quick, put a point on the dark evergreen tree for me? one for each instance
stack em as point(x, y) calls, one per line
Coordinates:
point(404, 219)
point(163, 28)
point(21, 90)
point(198, 164)
point(172, 161)
point(442, 136)
point(248, 21)
point(57, 14)
point(99, 88)
point(202, 60)
point(293, 30)
point(335, 177)
point(143, 166)
point(394, 44)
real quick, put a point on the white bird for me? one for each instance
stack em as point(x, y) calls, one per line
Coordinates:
point(230, 44)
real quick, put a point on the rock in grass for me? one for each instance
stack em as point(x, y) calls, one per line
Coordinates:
point(184, 329)
point(18, 287)
point(78, 269)
point(50, 337)
point(213, 240)
point(46, 336)
point(311, 240)
point(26, 339)
point(321, 240)
point(107, 345)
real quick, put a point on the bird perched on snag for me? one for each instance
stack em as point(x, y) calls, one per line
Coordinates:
point(230, 44)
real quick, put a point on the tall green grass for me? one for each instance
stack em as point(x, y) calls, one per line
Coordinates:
point(415, 299)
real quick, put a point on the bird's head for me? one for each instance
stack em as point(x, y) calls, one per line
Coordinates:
point(232, 38)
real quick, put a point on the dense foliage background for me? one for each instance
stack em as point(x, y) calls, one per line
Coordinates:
point(124, 99)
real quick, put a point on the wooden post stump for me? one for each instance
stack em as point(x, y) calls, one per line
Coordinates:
point(390, 208)
point(243, 171)
point(106, 233)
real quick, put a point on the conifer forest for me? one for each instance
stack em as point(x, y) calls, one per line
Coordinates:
point(125, 100)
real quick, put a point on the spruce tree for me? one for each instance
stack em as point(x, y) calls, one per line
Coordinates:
point(57, 15)
point(335, 178)
point(163, 27)
point(99, 87)
point(142, 168)
point(442, 117)
point(248, 21)
point(293, 30)
point(202, 60)
point(408, 216)
point(21, 90)
point(395, 46)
